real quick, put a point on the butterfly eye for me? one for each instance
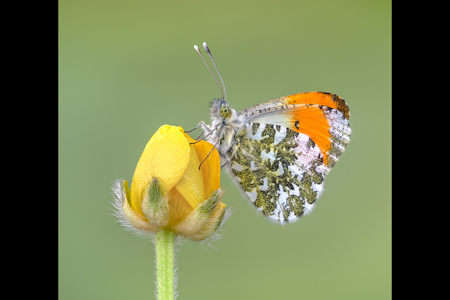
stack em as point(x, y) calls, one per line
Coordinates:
point(225, 111)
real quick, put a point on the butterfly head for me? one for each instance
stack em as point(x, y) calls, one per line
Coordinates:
point(220, 110)
point(226, 123)
point(225, 111)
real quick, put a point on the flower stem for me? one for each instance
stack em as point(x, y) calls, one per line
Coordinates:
point(165, 254)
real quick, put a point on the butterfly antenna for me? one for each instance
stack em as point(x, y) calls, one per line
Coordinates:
point(199, 53)
point(210, 55)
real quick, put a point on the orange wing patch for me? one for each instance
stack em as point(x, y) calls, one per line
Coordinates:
point(311, 116)
point(320, 98)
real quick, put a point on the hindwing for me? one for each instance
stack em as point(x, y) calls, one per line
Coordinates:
point(281, 171)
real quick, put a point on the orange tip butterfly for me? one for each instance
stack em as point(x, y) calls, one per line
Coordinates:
point(278, 152)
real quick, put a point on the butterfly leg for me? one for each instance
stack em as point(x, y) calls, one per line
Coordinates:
point(225, 164)
point(203, 137)
point(198, 138)
point(204, 127)
point(226, 159)
point(208, 155)
point(199, 124)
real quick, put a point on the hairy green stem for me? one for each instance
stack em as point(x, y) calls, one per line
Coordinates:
point(165, 255)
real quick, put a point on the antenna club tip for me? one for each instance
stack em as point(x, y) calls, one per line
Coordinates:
point(197, 50)
point(224, 94)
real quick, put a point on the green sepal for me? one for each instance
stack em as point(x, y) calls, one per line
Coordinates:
point(155, 205)
point(209, 205)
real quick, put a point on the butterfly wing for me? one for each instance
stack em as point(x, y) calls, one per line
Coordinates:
point(321, 116)
point(288, 146)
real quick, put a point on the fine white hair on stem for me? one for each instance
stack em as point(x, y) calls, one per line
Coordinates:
point(175, 268)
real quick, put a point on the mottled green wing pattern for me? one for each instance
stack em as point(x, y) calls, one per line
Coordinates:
point(281, 171)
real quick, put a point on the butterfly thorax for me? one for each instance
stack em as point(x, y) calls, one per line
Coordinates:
point(225, 124)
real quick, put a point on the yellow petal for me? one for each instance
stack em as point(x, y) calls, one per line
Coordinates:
point(178, 207)
point(211, 165)
point(191, 185)
point(166, 156)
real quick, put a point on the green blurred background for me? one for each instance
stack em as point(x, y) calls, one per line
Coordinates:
point(128, 67)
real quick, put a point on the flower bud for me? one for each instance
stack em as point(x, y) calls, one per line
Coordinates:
point(176, 186)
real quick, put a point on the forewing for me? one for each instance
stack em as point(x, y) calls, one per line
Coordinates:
point(321, 116)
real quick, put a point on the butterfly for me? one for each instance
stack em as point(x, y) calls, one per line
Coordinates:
point(279, 152)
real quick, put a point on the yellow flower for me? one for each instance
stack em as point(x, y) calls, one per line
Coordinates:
point(170, 190)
